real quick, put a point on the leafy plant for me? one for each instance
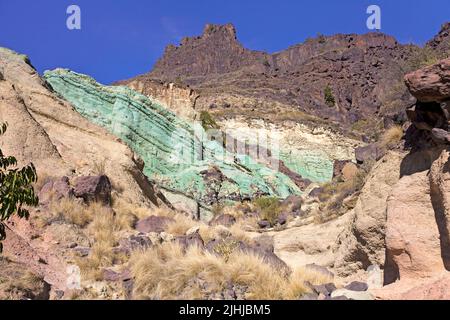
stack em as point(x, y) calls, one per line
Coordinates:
point(16, 189)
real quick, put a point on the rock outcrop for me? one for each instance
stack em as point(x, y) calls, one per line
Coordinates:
point(363, 72)
point(418, 216)
point(177, 154)
point(363, 244)
point(177, 98)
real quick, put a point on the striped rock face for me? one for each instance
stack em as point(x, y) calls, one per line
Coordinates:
point(178, 154)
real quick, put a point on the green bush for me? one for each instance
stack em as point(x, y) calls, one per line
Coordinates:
point(329, 97)
point(208, 121)
point(269, 208)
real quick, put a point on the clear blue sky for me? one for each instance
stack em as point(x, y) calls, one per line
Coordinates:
point(123, 38)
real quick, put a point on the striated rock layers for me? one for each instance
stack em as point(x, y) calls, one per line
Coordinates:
point(46, 130)
point(177, 154)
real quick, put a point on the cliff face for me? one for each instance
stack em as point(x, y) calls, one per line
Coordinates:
point(179, 99)
point(363, 73)
point(176, 153)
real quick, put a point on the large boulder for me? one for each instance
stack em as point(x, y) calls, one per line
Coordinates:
point(93, 189)
point(362, 243)
point(431, 84)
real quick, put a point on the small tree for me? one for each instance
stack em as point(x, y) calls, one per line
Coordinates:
point(329, 97)
point(16, 189)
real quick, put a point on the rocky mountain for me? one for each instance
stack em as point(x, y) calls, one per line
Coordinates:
point(139, 200)
point(350, 78)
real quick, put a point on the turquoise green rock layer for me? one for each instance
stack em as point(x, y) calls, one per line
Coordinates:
point(176, 153)
point(310, 164)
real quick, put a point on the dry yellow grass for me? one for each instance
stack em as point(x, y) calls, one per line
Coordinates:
point(16, 283)
point(391, 137)
point(166, 272)
point(70, 211)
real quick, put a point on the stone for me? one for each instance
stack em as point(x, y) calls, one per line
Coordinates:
point(440, 136)
point(263, 224)
point(55, 190)
point(135, 242)
point(193, 230)
point(282, 219)
point(187, 241)
point(368, 153)
point(353, 295)
point(155, 237)
point(156, 224)
point(292, 204)
point(349, 171)
point(430, 84)
point(82, 251)
point(315, 193)
point(375, 277)
point(224, 220)
point(357, 286)
point(324, 289)
point(166, 237)
point(93, 189)
point(363, 242)
point(114, 276)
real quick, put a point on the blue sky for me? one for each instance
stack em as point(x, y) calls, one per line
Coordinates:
point(123, 38)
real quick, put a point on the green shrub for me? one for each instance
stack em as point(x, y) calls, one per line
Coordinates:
point(269, 208)
point(208, 121)
point(329, 97)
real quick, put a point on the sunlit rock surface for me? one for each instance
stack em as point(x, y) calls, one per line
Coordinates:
point(176, 153)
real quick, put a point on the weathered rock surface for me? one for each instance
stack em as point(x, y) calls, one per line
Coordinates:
point(47, 131)
point(363, 71)
point(156, 224)
point(179, 99)
point(55, 189)
point(176, 152)
point(431, 84)
point(362, 244)
point(310, 244)
point(417, 233)
point(93, 189)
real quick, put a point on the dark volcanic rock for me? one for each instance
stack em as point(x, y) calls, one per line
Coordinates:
point(55, 189)
point(431, 84)
point(359, 69)
point(93, 189)
point(134, 242)
point(368, 153)
point(153, 224)
point(357, 286)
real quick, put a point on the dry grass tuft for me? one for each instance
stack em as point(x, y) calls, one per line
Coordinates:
point(391, 137)
point(70, 211)
point(166, 272)
point(18, 284)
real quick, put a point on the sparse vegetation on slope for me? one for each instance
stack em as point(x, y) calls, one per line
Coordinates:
point(168, 272)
